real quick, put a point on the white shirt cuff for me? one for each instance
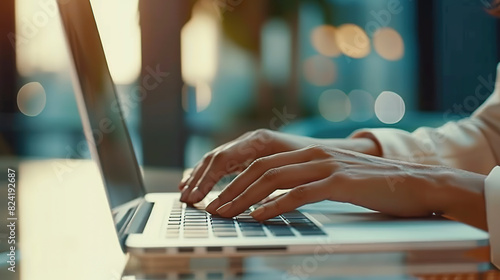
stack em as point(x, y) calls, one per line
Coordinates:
point(492, 198)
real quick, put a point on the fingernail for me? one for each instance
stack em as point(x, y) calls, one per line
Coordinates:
point(224, 208)
point(195, 196)
point(257, 212)
point(212, 206)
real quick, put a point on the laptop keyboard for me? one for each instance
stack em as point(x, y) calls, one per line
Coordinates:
point(194, 222)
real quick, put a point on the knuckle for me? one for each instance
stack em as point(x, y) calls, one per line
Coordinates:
point(208, 157)
point(277, 206)
point(299, 193)
point(262, 132)
point(271, 174)
point(218, 157)
point(319, 150)
point(332, 166)
point(259, 164)
point(341, 177)
point(262, 136)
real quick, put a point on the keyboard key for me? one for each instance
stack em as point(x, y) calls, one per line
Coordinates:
point(225, 234)
point(190, 235)
point(260, 233)
point(282, 233)
point(196, 221)
point(223, 225)
point(195, 226)
point(173, 227)
point(222, 221)
point(279, 223)
point(224, 230)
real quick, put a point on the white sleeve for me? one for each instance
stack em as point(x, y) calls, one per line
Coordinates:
point(471, 144)
point(492, 198)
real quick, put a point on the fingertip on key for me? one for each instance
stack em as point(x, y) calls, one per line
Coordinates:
point(185, 193)
point(258, 213)
point(212, 206)
point(195, 196)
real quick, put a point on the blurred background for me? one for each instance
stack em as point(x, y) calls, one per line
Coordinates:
point(195, 74)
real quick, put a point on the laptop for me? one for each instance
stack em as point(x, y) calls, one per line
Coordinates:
point(159, 224)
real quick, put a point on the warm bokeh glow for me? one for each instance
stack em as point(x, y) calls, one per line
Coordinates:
point(199, 47)
point(389, 44)
point(324, 41)
point(334, 105)
point(320, 70)
point(353, 41)
point(118, 24)
point(389, 107)
point(41, 47)
point(203, 96)
point(39, 39)
point(362, 105)
point(31, 99)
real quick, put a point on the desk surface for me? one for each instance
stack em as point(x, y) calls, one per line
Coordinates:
point(66, 232)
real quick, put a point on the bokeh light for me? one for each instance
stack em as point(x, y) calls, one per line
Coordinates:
point(334, 105)
point(31, 99)
point(388, 43)
point(324, 41)
point(118, 24)
point(353, 41)
point(203, 96)
point(41, 47)
point(199, 45)
point(320, 70)
point(389, 107)
point(362, 103)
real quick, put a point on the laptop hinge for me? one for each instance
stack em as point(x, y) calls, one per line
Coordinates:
point(140, 218)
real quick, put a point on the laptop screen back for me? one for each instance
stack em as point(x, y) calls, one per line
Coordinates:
point(98, 104)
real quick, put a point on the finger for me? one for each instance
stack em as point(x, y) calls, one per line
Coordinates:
point(288, 176)
point(190, 184)
point(185, 176)
point(298, 196)
point(254, 172)
point(230, 159)
point(187, 185)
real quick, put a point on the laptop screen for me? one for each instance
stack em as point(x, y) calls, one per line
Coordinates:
point(98, 104)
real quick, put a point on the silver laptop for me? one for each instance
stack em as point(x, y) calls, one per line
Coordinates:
point(157, 223)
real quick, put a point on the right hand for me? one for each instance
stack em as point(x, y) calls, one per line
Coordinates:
point(234, 157)
point(238, 154)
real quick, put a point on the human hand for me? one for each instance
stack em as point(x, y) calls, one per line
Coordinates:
point(233, 157)
point(236, 155)
point(319, 173)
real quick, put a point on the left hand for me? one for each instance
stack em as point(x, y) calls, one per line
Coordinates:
point(318, 173)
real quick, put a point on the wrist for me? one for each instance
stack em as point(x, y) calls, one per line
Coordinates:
point(459, 195)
